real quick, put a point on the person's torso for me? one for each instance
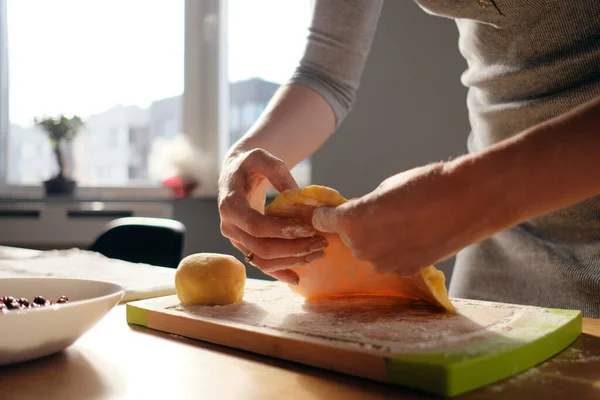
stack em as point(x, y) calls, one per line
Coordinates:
point(528, 61)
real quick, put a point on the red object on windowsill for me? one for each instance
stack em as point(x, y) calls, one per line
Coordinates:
point(181, 187)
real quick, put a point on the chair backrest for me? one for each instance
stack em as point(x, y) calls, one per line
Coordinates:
point(156, 241)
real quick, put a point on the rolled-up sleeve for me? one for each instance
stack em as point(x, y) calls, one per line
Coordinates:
point(339, 40)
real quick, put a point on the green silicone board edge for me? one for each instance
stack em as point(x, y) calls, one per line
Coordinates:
point(450, 376)
point(136, 315)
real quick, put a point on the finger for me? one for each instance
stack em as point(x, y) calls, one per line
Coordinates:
point(278, 264)
point(237, 211)
point(285, 276)
point(240, 247)
point(273, 168)
point(269, 248)
point(326, 219)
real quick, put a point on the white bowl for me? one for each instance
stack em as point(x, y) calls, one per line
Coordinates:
point(37, 332)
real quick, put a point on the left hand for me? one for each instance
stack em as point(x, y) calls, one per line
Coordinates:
point(412, 220)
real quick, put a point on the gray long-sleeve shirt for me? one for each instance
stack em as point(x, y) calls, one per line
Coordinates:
point(528, 61)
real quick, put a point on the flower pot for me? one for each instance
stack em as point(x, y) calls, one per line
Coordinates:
point(60, 186)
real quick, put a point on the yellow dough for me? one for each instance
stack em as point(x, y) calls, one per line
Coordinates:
point(210, 279)
point(339, 273)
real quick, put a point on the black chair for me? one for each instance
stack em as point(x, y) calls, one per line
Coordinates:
point(156, 241)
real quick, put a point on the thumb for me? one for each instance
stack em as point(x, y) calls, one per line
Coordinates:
point(326, 219)
point(275, 170)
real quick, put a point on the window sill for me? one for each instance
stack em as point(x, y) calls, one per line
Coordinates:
point(109, 194)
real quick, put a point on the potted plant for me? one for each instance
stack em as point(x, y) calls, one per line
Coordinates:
point(60, 130)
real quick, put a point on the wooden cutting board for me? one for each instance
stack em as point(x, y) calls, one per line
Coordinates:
point(379, 338)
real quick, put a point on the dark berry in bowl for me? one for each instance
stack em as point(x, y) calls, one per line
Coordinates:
point(41, 301)
point(24, 302)
point(10, 303)
point(13, 305)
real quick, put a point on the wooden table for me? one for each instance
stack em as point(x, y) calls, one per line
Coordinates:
point(115, 361)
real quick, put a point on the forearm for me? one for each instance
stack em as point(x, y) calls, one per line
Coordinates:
point(546, 168)
point(296, 123)
point(304, 113)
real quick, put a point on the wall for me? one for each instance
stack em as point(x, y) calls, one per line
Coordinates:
point(410, 111)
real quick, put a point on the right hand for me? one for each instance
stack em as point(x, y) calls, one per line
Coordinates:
point(274, 242)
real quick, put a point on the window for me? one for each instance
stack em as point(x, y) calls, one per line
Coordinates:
point(112, 141)
point(265, 40)
point(107, 62)
point(120, 65)
point(5, 154)
point(248, 115)
point(170, 128)
point(234, 121)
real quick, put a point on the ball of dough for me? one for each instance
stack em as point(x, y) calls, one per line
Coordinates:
point(210, 279)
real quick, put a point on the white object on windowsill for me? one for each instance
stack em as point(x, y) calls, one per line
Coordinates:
point(179, 157)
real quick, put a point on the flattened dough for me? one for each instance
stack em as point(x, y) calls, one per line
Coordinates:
point(339, 273)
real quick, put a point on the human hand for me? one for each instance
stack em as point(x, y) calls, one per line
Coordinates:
point(273, 242)
point(412, 220)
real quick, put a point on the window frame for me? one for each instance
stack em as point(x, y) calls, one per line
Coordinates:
point(3, 92)
point(204, 104)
